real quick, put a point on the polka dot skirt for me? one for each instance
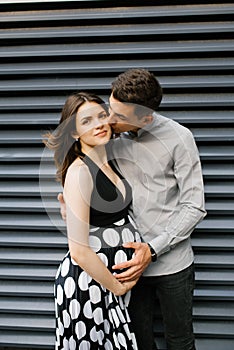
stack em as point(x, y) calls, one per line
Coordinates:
point(88, 316)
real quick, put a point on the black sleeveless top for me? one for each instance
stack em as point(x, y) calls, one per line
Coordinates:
point(107, 203)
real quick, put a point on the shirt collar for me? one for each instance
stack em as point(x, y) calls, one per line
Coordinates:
point(145, 129)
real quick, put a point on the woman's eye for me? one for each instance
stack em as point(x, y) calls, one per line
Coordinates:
point(84, 122)
point(103, 116)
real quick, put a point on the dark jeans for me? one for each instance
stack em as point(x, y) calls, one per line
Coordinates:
point(175, 294)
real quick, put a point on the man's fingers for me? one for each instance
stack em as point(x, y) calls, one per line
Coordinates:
point(129, 274)
point(123, 265)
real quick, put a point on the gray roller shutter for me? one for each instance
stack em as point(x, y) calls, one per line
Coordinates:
point(51, 49)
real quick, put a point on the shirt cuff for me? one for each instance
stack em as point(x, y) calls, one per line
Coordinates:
point(160, 244)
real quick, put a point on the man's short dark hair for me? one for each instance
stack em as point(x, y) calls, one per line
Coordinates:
point(138, 86)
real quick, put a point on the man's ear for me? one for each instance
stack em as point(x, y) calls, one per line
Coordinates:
point(147, 119)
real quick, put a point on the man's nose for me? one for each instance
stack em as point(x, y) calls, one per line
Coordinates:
point(112, 118)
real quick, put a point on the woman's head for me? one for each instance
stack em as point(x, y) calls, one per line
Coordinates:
point(83, 125)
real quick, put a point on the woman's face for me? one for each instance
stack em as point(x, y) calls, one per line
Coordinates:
point(92, 125)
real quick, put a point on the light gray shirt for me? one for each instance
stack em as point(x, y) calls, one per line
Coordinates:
point(163, 167)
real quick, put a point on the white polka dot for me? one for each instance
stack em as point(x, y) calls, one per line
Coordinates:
point(74, 309)
point(132, 221)
point(120, 222)
point(56, 308)
point(127, 298)
point(93, 334)
point(66, 319)
point(58, 272)
point(127, 331)
point(111, 237)
point(115, 317)
point(95, 294)
point(120, 314)
point(59, 295)
point(84, 345)
point(137, 237)
point(80, 329)
point(93, 229)
point(120, 256)
point(122, 340)
point(127, 235)
point(65, 267)
point(103, 258)
point(95, 243)
point(87, 310)
point(133, 337)
point(83, 280)
point(106, 326)
point(65, 344)
point(100, 336)
point(72, 343)
point(73, 262)
point(98, 315)
point(108, 345)
point(69, 287)
point(57, 335)
point(60, 327)
point(116, 341)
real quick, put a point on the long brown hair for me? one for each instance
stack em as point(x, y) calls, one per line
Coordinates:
point(61, 141)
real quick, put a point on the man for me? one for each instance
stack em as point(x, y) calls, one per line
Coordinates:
point(159, 158)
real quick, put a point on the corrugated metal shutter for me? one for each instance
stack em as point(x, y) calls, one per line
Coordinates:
point(51, 49)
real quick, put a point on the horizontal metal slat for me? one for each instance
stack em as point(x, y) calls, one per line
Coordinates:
point(214, 134)
point(185, 117)
point(30, 119)
point(27, 272)
point(220, 206)
point(119, 13)
point(36, 221)
point(219, 310)
point(27, 322)
point(215, 171)
point(172, 101)
point(31, 205)
point(216, 152)
point(153, 29)
point(216, 225)
point(126, 48)
point(26, 339)
point(26, 288)
point(27, 305)
point(214, 328)
point(48, 170)
point(215, 292)
point(214, 276)
point(54, 84)
point(29, 188)
point(33, 154)
point(214, 259)
point(41, 256)
point(201, 116)
point(213, 243)
point(107, 66)
point(207, 343)
point(37, 239)
point(219, 189)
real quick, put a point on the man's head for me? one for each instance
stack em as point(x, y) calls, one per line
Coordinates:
point(136, 93)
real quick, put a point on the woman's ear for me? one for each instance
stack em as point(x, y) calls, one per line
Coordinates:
point(75, 136)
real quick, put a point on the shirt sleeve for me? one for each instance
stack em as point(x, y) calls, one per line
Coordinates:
point(191, 208)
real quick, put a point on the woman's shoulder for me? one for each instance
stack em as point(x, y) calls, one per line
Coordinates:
point(79, 172)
